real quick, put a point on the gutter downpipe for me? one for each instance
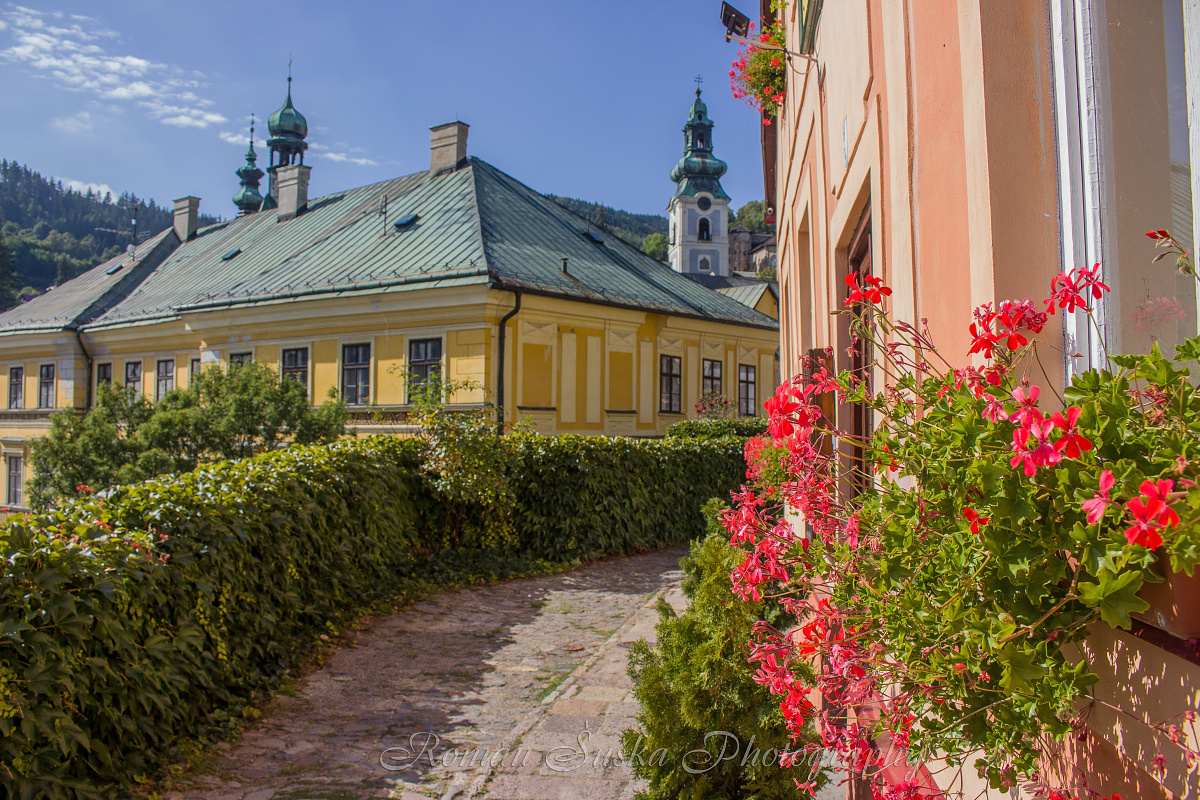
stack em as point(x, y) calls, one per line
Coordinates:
point(500, 341)
point(87, 359)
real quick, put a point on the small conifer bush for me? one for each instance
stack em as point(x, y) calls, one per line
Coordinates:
point(707, 730)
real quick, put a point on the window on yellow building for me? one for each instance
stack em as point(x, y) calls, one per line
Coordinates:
point(237, 359)
point(166, 379)
point(46, 386)
point(16, 387)
point(16, 480)
point(424, 360)
point(295, 365)
point(747, 390)
point(133, 376)
point(710, 380)
point(356, 374)
point(193, 370)
point(670, 384)
point(104, 374)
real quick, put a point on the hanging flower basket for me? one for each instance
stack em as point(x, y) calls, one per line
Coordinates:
point(759, 75)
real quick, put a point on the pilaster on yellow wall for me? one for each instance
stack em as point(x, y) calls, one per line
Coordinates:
point(391, 369)
point(568, 376)
point(324, 365)
point(691, 383)
point(267, 354)
point(31, 383)
point(645, 388)
point(465, 361)
point(593, 379)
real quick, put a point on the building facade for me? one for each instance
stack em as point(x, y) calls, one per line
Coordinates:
point(459, 270)
point(965, 152)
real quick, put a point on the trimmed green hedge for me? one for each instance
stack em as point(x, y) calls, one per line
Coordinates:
point(585, 496)
point(168, 609)
point(744, 427)
point(115, 641)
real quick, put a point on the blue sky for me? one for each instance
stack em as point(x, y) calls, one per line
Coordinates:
point(584, 99)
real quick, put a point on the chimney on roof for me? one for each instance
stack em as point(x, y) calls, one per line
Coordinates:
point(187, 217)
point(447, 146)
point(293, 190)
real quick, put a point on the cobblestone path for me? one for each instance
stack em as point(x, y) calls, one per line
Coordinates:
point(527, 666)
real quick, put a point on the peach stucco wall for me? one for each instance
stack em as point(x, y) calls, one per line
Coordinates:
point(938, 115)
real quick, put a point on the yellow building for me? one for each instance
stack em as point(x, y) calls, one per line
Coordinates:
point(460, 270)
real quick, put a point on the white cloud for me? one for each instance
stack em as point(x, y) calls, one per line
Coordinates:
point(340, 157)
point(83, 186)
point(240, 138)
point(69, 56)
point(75, 124)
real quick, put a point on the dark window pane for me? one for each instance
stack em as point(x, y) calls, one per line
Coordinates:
point(165, 379)
point(104, 374)
point(133, 376)
point(424, 360)
point(670, 384)
point(356, 374)
point(747, 387)
point(16, 480)
point(46, 386)
point(295, 365)
point(16, 387)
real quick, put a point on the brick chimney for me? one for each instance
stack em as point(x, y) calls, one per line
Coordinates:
point(187, 217)
point(293, 190)
point(447, 146)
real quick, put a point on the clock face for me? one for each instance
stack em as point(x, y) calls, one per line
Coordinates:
point(704, 203)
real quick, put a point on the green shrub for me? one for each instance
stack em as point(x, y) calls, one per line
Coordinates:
point(698, 694)
point(745, 427)
point(130, 622)
point(586, 496)
point(166, 610)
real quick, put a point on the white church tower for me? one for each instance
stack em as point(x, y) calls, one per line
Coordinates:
point(699, 211)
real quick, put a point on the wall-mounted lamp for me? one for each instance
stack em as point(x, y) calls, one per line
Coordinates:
point(737, 27)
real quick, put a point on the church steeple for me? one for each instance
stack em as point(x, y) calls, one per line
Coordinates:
point(699, 211)
point(699, 170)
point(288, 130)
point(248, 200)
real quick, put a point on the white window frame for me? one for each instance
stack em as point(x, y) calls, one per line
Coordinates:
point(1078, 49)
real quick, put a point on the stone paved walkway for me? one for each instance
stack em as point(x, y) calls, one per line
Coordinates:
point(413, 708)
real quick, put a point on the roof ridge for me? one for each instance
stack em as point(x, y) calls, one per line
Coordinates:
point(477, 220)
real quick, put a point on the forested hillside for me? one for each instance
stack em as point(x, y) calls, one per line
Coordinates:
point(649, 231)
point(633, 228)
point(54, 233)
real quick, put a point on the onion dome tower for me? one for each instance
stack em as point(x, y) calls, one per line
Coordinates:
point(288, 129)
point(248, 200)
point(699, 211)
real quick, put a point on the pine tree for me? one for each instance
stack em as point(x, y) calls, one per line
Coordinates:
point(65, 272)
point(8, 277)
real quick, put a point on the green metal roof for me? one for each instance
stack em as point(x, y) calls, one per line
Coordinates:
point(475, 226)
point(87, 295)
point(748, 294)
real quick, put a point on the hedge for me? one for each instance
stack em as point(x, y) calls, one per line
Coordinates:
point(132, 622)
point(128, 623)
point(586, 496)
point(744, 427)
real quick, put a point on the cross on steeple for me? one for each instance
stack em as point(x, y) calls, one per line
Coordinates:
point(699, 81)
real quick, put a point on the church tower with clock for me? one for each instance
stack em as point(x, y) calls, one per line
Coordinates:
point(699, 211)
